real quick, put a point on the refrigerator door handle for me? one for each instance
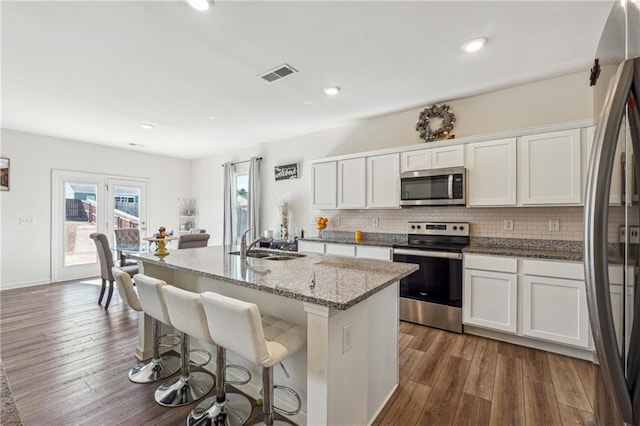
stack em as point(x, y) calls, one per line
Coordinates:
point(595, 237)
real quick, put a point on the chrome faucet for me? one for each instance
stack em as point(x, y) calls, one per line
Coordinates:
point(244, 248)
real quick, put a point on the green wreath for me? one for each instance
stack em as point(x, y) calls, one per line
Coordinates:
point(424, 128)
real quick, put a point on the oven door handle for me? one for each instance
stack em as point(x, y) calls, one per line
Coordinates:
point(450, 186)
point(427, 253)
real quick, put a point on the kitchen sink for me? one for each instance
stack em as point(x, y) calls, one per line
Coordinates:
point(269, 255)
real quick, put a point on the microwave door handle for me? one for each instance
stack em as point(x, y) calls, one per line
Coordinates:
point(596, 217)
point(450, 186)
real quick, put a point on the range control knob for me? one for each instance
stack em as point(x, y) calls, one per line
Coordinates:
point(455, 228)
point(462, 228)
point(418, 226)
point(413, 227)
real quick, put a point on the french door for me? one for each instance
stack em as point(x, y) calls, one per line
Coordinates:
point(83, 203)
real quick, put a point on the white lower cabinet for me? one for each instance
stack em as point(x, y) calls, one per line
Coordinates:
point(490, 300)
point(533, 298)
point(340, 249)
point(555, 309)
point(347, 250)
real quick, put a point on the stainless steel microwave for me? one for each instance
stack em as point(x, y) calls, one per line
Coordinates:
point(439, 187)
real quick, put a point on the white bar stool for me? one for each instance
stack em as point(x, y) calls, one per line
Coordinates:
point(159, 367)
point(186, 312)
point(190, 386)
point(237, 326)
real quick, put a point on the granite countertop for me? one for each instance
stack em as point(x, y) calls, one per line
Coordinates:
point(379, 239)
point(517, 247)
point(341, 282)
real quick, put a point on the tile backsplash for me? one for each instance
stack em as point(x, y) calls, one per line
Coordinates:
point(528, 222)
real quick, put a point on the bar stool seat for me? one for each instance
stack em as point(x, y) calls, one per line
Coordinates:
point(186, 312)
point(265, 341)
point(159, 367)
point(190, 386)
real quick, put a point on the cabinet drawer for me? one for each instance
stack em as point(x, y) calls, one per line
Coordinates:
point(367, 252)
point(548, 268)
point(340, 250)
point(491, 263)
point(311, 246)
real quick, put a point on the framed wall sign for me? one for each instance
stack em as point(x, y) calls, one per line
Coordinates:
point(287, 171)
point(4, 174)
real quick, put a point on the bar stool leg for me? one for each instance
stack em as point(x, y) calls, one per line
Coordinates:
point(267, 400)
point(159, 367)
point(189, 387)
point(232, 409)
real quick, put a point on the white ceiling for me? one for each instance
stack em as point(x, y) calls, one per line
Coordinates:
point(94, 71)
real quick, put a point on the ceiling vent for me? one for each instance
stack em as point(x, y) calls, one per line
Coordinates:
point(278, 73)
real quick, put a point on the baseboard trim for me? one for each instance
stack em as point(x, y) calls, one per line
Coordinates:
point(23, 284)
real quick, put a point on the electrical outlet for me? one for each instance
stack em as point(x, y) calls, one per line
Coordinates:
point(508, 224)
point(346, 338)
point(26, 220)
point(554, 225)
point(375, 222)
point(337, 221)
point(634, 235)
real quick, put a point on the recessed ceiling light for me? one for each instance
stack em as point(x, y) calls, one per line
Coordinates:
point(212, 117)
point(147, 126)
point(137, 145)
point(474, 44)
point(332, 91)
point(307, 102)
point(200, 5)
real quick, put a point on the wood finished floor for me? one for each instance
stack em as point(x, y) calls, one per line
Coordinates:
point(451, 379)
point(67, 359)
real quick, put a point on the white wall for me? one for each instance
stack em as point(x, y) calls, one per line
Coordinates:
point(557, 100)
point(26, 250)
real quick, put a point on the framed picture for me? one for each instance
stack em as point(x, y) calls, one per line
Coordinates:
point(287, 171)
point(4, 174)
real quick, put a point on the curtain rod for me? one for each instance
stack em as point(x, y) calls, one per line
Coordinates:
point(245, 161)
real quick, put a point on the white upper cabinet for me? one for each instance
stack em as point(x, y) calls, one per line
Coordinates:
point(432, 158)
point(447, 156)
point(323, 185)
point(352, 183)
point(491, 173)
point(415, 160)
point(549, 168)
point(383, 181)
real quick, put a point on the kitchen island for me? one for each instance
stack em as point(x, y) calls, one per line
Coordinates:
point(349, 307)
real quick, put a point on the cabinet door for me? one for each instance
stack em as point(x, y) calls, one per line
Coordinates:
point(323, 185)
point(491, 173)
point(383, 181)
point(310, 246)
point(556, 310)
point(490, 300)
point(549, 168)
point(447, 156)
point(351, 183)
point(415, 160)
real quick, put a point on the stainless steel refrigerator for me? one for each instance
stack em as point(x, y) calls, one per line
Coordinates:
point(612, 217)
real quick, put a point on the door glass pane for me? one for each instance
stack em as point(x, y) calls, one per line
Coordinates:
point(126, 212)
point(241, 205)
point(80, 220)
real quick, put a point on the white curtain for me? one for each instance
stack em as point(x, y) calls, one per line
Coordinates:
point(228, 194)
point(253, 217)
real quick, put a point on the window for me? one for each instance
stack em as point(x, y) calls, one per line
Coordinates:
point(241, 200)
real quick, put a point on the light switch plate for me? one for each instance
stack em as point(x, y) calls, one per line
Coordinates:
point(375, 222)
point(508, 224)
point(26, 220)
point(554, 225)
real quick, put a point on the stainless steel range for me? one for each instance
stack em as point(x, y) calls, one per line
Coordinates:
point(433, 295)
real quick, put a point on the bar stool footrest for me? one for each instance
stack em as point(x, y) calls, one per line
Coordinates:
point(244, 370)
point(292, 392)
